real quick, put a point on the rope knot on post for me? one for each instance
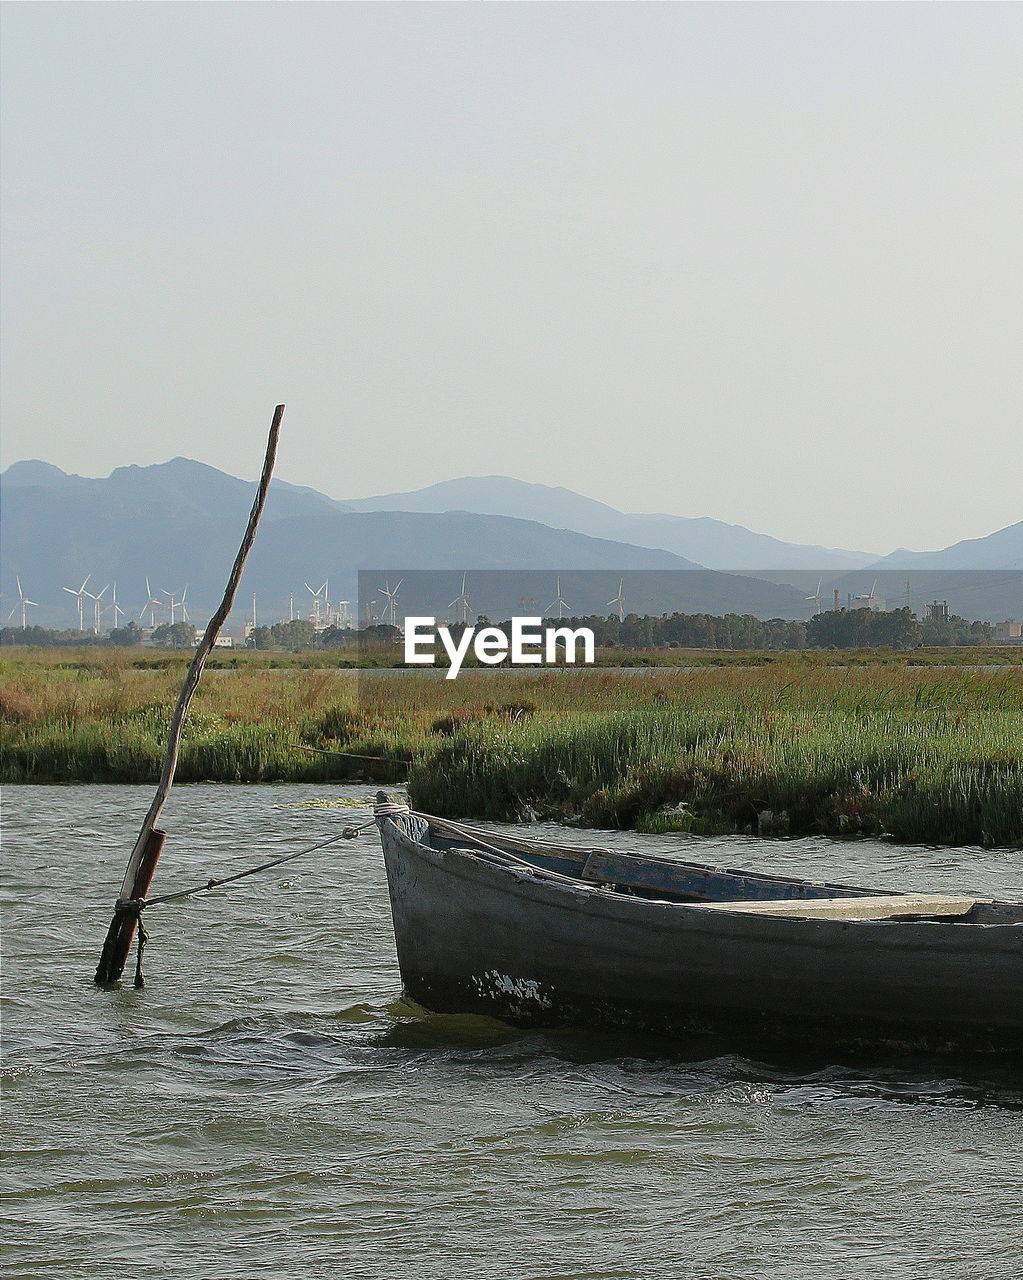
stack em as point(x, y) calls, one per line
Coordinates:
point(130, 906)
point(133, 908)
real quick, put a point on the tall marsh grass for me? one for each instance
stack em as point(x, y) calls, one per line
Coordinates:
point(926, 755)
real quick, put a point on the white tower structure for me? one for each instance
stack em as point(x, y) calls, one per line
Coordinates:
point(461, 601)
point(617, 599)
point(23, 603)
point(560, 604)
point(80, 593)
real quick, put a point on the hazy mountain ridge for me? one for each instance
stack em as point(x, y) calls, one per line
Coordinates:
point(193, 487)
point(1002, 549)
point(179, 522)
point(708, 542)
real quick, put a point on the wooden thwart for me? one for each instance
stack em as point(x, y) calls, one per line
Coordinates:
point(695, 883)
point(877, 907)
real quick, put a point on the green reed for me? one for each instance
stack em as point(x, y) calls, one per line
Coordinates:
point(941, 762)
point(925, 755)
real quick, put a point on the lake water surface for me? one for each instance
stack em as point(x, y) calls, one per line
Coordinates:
point(269, 1106)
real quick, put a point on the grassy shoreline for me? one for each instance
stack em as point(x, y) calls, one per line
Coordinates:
point(927, 755)
point(379, 658)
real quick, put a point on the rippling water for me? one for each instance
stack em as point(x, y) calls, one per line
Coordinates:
point(269, 1105)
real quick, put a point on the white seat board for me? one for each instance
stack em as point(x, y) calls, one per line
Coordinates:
point(876, 907)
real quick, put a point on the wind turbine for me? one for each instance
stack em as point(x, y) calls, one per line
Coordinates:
point(617, 599)
point(173, 600)
point(97, 608)
point(79, 594)
point(151, 604)
point(870, 597)
point(22, 604)
point(314, 611)
point(117, 610)
point(559, 604)
point(816, 597)
point(463, 601)
point(392, 600)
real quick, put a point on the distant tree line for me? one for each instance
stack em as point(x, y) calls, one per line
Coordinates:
point(299, 636)
point(295, 636)
point(691, 631)
point(177, 635)
point(900, 629)
point(840, 629)
point(44, 638)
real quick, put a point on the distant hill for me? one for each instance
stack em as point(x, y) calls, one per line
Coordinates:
point(42, 475)
point(179, 522)
point(189, 488)
point(949, 574)
point(979, 577)
point(1000, 550)
point(711, 543)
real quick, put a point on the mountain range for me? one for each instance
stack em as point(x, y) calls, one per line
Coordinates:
point(179, 522)
point(1000, 550)
point(710, 543)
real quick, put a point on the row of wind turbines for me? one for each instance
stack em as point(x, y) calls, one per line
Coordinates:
point(322, 613)
point(101, 606)
point(164, 605)
point(560, 606)
point(462, 603)
point(173, 603)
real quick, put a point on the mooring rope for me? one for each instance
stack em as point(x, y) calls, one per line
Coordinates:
point(381, 809)
point(138, 905)
point(392, 809)
point(143, 938)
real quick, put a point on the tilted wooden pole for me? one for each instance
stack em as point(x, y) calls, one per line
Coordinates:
point(142, 863)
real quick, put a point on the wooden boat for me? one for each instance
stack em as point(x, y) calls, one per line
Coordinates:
point(538, 933)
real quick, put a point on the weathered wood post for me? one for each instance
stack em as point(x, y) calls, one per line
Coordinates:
point(142, 863)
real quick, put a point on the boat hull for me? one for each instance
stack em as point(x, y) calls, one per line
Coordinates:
point(474, 936)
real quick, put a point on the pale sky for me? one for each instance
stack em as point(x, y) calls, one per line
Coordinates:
point(760, 262)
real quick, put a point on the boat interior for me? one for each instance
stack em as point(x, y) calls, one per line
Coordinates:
point(725, 889)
